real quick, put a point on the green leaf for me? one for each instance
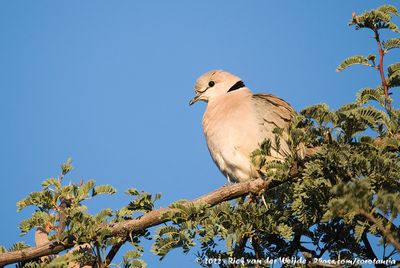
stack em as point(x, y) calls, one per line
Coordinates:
point(170, 230)
point(393, 68)
point(102, 216)
point(391, 44)
point(132, 254)
point(370, 115)
point(38, 219)
point(265, 147)
point(391, 144)
point(21, 204)
point(18, 246)
point(103, 189)
point(137, 264)
point(85, 188)
point(132, 191)
point(388, 9)
point(359, 230)
point(51, 182)
point(285, 231)
point(157, 197)
point(376, 19)
point(3, 249)
point(319, 112)
point(67, 166)
point(394, 79)
point(352, 61)
point(370, 94)
point(393, 27)
point(143, 202)
point(43, 200)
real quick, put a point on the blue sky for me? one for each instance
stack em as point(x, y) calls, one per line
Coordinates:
point(107, 83)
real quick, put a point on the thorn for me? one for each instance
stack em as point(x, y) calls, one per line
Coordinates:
point(264, 202)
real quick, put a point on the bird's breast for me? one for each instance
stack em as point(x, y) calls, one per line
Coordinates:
point(230, 128)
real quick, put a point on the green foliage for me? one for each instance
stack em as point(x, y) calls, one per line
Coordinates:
point(229, 222)
point(393, 79)
point(142, 202)
point(55, 199)
point(59, 210)
point(131, 260)
point(341, 196)
point(103, 189)
point(371, 94)
point(39, 218)
point(18, 246)
point(66, 167)
point(376, 19)
point(353, 173)
point(352, 61)
point(391, 44)
point(334, 202)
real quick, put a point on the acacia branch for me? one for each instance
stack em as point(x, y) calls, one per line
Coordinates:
point(382, 72)
point(150, 219)
point(385, 230)
point(111, 254)
point(155, 217)
point(369, 251)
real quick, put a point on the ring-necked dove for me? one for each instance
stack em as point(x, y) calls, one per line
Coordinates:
point(237, 121)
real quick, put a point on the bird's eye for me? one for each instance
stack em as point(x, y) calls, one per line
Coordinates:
point(211, 83)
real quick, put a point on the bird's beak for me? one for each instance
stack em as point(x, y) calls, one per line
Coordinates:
point(195, 99)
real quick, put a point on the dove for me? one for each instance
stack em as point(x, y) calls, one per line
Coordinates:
point(236, 122)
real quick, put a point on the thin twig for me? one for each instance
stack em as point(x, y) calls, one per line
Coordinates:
point(369, 251)
point(385, 230)
point(113, 251)
point(382, 72)
point(150, 219)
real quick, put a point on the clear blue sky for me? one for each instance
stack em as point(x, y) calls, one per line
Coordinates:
point(108, 83)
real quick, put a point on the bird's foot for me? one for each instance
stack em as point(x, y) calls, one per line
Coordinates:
point(227, 184)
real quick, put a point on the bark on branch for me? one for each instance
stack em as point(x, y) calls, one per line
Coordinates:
point(150, 219)
point(154, 218)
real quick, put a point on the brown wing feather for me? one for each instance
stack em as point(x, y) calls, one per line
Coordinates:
point(273, 109)
point(274, 112)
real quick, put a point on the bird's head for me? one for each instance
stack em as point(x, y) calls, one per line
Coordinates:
point(213, 84)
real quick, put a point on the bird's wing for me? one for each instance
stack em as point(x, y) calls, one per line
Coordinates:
point(273, 110)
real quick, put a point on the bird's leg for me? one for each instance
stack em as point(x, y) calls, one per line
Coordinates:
point(229, 179)
point(230, 182)
point(262, 191)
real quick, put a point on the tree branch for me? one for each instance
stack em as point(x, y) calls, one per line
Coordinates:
point(385, 230)
point(258, 252)
point(113, 251)
point(382, 72)
point(154, 218)
point(65, 203)
point(369, 251)
point(150, 219)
